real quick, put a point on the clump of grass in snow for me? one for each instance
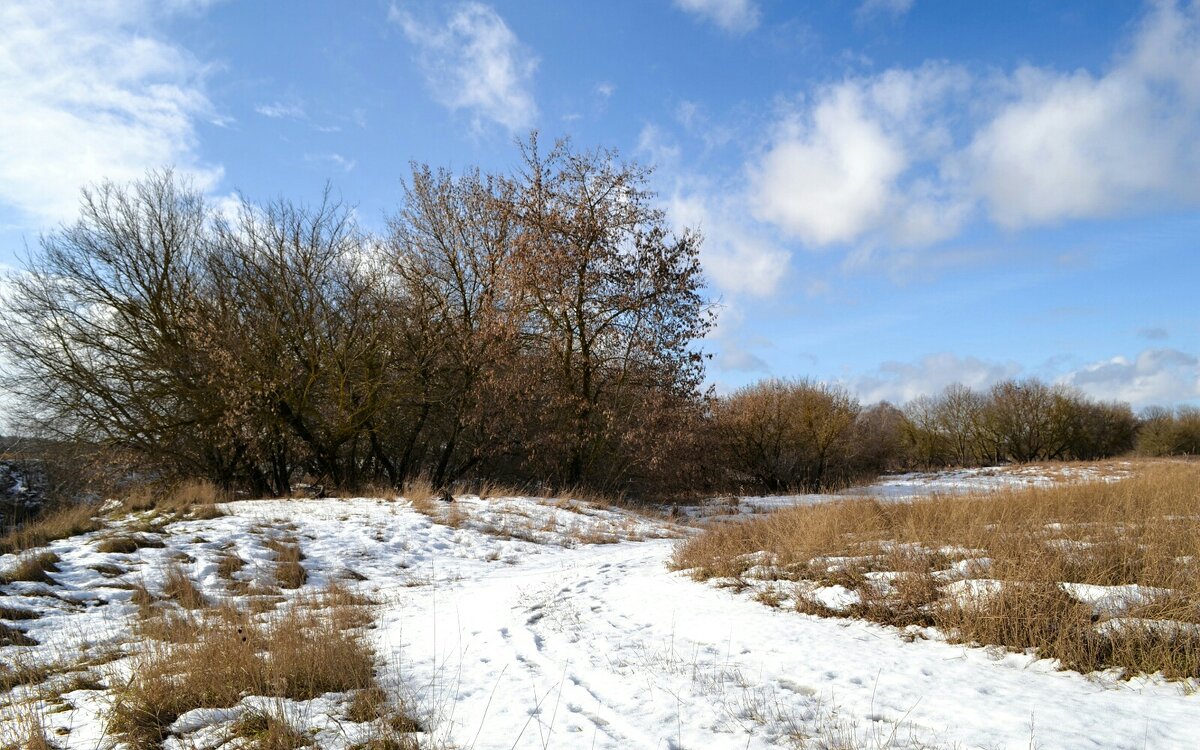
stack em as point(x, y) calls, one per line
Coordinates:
point(30, 733)
point(1024, 548)
point(301, 654)
point(10, 636)
point(269, 731)
point(228, 564)
point(182, 589)
point(127, 543)
point(34, 567)
point(420, 492)
point(65, 522)
point(289, 572)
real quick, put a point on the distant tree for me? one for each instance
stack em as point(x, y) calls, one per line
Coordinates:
point(788, 435)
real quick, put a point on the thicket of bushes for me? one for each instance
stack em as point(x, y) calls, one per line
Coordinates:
point(535, 328)
point(1166, 432)
point(780, 435)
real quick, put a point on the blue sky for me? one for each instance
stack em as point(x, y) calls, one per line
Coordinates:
point(895, 194)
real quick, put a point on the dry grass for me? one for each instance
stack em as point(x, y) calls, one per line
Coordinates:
point(17, 613)
point(289, 572)
point(392, 725)
point(1144, 530)
point(178, 586)
point(31, 734)
point(421, 493)
point(269, 731)
point(59, 524)
point(199, 497)
point(126, 543)
point(192, 498)
point(10, 636)
point(228, 565)
point(302, 654)
point(34, 567)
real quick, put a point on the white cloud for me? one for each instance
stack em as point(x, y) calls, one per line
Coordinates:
point(733, 346)
point(738, 259)
point(898, 159)
point(1155, 376)
point(475, 62)
point(832, 171)
point(90, 91)
point(894, 8)
point(1160, 376)
point(1075, 145)
point(899, 382)
point(735, 16)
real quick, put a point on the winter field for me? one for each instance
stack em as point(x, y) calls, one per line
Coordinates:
point(513, 622)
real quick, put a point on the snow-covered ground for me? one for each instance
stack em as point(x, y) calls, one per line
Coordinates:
point(912, 485)
point(524, 623)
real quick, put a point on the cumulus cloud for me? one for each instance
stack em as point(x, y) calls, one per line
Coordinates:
point(733, 347)
point(735, 16)
point(896, 158)
point(832, 173)
point(899, 382)
point(474, 62)
point(90, 91)
point(1154, 376)
point(1075, 145)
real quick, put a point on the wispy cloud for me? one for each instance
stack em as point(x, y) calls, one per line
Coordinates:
point(279, 110)
point(92, 91)
point(474, 62)
point(734, 16)
point(872, 8)
point(1153, 376)
point(339, 162)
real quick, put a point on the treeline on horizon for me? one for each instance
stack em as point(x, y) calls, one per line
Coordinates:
point(539, 328)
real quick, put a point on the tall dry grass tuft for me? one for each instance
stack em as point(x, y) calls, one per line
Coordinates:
point(998, 568)
point(33, 567)
point(300, 655)
point(420, 492)
point(266, 730)
point(195, 497)
point(289, 571)
point(179, 587)
point(65, 522)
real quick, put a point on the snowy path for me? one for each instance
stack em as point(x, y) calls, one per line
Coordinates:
point(613, 651)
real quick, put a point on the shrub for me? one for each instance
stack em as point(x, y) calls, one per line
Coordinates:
point(785, 435)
